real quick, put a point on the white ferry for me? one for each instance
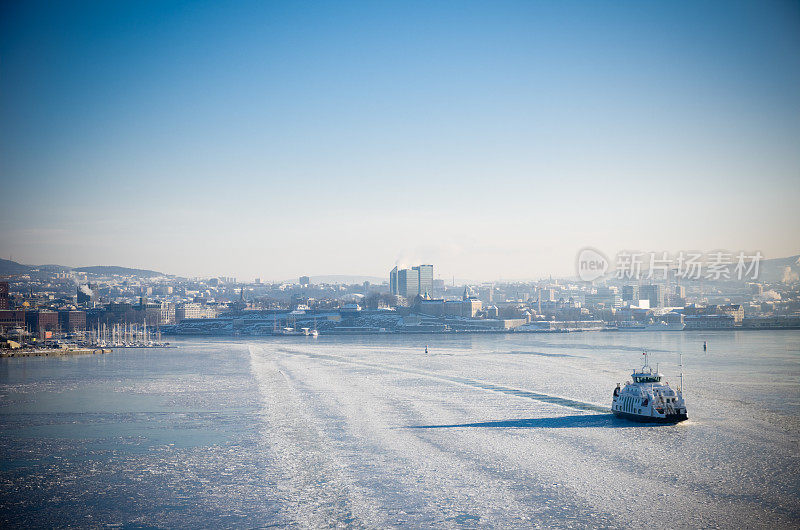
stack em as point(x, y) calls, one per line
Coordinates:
point(647, 399)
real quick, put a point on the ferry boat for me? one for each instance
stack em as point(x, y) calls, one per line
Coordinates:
point(646, 398)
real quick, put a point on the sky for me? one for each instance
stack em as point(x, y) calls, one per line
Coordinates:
point(493, 139)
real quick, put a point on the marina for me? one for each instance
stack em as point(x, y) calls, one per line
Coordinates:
point(125, 335)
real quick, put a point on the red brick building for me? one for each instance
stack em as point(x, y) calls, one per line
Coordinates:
point(11, 319)
point(71, 321)
point(41, 321)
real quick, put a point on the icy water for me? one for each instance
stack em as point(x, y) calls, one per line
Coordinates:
point(484, 431)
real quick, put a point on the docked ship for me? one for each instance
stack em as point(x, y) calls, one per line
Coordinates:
point(646, 398)
point(630, 325)
point(665, 326)
point(658, 325)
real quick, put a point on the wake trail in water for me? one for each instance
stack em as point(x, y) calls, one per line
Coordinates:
point(482, 385)
point(309, 479)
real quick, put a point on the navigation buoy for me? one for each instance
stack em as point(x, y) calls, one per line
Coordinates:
point(426, 348)
point(705, 345)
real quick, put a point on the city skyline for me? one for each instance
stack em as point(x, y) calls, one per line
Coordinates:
point(495, 140)
point(689, 267)
point(419, 264)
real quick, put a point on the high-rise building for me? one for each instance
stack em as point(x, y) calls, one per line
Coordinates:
point(652, 293)
point(393, 282)
point(305, 280)
point(630, 293)
point(408, 282)
point(425, 278)
point(412, 282)
point(605, 296)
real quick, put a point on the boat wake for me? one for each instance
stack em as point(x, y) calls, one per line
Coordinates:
point(474, 383)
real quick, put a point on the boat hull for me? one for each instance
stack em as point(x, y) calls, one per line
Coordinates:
point(669, 418)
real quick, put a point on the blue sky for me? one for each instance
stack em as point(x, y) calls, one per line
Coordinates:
point(494, 139)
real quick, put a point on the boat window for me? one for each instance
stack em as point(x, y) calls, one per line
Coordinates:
point(647, 379)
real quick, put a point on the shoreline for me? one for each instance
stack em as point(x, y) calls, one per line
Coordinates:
point(54, 352)
point(479, 332)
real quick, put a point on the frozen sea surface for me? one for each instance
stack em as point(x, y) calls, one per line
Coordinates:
point(484, 431)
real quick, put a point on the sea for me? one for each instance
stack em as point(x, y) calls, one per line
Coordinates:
point(484, 430)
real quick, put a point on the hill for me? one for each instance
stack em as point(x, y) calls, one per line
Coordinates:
point(106, 270)
point(12, 267)
point(780, 269)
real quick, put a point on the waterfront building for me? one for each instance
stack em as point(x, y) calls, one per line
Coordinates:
point(734, 310)
point(452, 308)
point(653, 293)
point(41, 321)
point(188, 310)
point(71, 321)
point(167, 313)
point(149, 312)
point(430, 307)
point(470, 306)
point(11, 319)
point(194, 310)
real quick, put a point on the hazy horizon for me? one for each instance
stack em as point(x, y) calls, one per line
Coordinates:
point(493, 140)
